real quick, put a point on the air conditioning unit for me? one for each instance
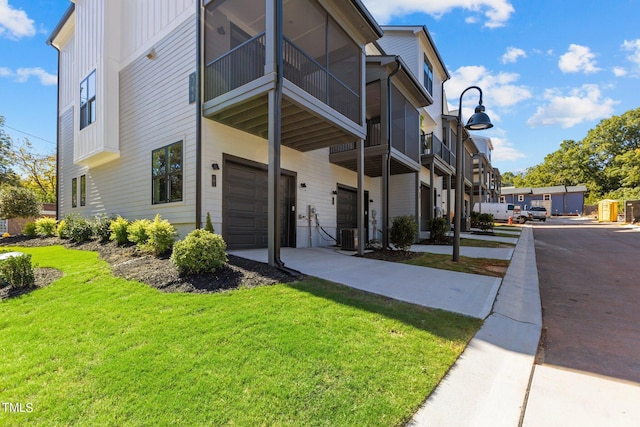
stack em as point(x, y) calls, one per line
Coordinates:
point(349, 239)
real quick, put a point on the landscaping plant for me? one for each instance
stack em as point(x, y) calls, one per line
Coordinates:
point(79, 228)
point(438, 230)
point(29, 229)
point(46, 226)
point(199, 252)
point(404, 231)
point(137, 232)
point(119, 233)
point(208, 224)
point(101, 226)
point(162, 236)
point(17, 271)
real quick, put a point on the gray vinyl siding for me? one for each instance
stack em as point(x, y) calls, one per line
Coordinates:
point(154, 112)
point(66, 167)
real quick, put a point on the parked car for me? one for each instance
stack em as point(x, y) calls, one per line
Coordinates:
point(538, 212)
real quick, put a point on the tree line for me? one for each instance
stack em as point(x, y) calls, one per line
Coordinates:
point(607, 161)
point(21, 166)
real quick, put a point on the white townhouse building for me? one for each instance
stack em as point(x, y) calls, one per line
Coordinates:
point(282, 119)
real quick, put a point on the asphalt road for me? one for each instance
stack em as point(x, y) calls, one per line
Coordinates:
point(589, 276)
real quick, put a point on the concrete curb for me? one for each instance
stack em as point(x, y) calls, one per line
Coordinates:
point(488, 384)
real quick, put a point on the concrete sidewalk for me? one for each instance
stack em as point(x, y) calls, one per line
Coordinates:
point(488, 384)
point(468, 294)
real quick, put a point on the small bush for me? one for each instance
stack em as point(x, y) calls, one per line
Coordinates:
point(63, 230)
point(162, 236)
point(46, 226)
point(208, 224)
point(119, 233)
point(6, 234)
point(29, 229)
point(438, 230)
point(18, 272)
point(138, 233)
point(101, 226)
point(485, 222)
point(404, 231)
point(199, 252)
point(79, 228)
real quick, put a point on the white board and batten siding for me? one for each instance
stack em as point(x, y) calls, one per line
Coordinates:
point(152, 111)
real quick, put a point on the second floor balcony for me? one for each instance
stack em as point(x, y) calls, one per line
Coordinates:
point(436, 154)
point(322, 70)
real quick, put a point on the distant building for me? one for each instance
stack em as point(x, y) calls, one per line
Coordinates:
point(559, 200)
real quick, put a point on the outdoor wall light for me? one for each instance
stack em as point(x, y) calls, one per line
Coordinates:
point(215, 166)
point(478, 121)
point(151, 54)
point(334, 192)
point(303, 185)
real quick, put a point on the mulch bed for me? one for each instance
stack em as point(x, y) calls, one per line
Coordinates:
point(159, 273)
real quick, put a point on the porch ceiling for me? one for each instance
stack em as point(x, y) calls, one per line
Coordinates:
point(302, 130)
point(372, 162)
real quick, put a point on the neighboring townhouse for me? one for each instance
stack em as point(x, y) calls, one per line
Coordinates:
point(486, 178)
point(436, 178)
point(183, 109)
point(558, 200)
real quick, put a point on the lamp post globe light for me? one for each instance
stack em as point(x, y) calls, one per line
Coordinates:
point(478, 121)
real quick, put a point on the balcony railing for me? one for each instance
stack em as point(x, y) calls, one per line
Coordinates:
point(239, 66)
point(432, 145)
point(315, 79)
point(246, 63)
point(374, 138)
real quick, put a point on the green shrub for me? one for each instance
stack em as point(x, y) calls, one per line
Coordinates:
point(63, 230)
point(79, 228)
point(18, 271)
point(438, 229)
point(29, 229)
point(485, 222)
point(199, 252)
point(208, 224)
point(404, 231)
point(138, 231)
point(162, 236)
point(46, 226)
point(119, 231)
point(101, 226)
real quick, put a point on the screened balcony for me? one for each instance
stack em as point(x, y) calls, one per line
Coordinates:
point(322, 71)
point(402, 122)
point(436, 155)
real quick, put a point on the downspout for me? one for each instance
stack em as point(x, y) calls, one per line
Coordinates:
point(387, 160)
point(198, 90)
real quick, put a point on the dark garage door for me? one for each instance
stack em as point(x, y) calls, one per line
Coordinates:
point(347, 210)
point(245, 209)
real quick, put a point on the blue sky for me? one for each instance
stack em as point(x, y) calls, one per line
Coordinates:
point(550, 70)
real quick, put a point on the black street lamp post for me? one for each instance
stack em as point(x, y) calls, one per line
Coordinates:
point(478, 121)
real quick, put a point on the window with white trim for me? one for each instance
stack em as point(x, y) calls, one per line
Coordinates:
point(521, 197)
point(428, 75)
point(546, 197)
point(88, 100)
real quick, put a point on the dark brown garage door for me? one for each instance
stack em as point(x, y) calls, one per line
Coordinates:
point(245, 209)
point(347, 210)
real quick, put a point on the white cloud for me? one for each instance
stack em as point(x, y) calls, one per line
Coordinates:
point(619, 71)
point(14, 23)
point(503, 150)
point(580, 104)
point(496, 12)
point(633, 46)
point(499, 90)
point(512, 54)
point(21, 75)
point(578, 59)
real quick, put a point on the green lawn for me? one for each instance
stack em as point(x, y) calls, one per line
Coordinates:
point(485, 266)
point(92, 349)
